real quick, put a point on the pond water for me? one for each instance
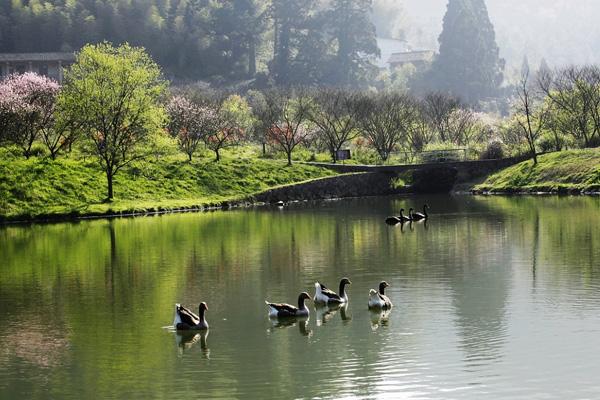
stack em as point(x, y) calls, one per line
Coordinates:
point(494, 298)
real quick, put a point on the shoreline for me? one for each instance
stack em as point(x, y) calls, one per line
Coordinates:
point(569, 173)
point(235, 204)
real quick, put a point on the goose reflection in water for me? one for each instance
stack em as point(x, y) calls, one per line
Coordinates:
point(379, 318)
point(284, 323)
point(346, 316)
point(187, 339)
point(326, 313)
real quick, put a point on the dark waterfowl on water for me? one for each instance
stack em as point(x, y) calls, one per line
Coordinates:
point(186, 320)
point(420, 216)
point(324, 295)
point(379, 299)
point(282, 310)
point(404, 218)
point(392, 220)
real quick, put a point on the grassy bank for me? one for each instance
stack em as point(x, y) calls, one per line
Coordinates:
point(42, 188)
point(563, 172)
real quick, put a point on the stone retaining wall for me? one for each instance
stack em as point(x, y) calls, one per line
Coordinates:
point(341, 186)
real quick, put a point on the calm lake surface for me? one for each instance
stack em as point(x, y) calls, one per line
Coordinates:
point(494, 298)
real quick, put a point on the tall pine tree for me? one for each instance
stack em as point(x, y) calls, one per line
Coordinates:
point(468, 64)
point(354, 34)
point(293, 31)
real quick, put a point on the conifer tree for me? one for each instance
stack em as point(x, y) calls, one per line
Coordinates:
point(468, 64)
point(354, 35)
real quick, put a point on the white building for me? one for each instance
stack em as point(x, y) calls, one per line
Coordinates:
point(47, 64)
point(419, 58)
point(396, 53)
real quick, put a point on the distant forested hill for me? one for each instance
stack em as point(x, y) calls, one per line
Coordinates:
point(297, 41)
point(178, 33)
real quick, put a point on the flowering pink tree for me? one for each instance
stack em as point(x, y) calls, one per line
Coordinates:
point(8, 100)
point(27, 105)
point(190, 123)
point(286, 118)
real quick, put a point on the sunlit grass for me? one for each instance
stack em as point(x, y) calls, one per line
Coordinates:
point(41, 187)
point(573, 170)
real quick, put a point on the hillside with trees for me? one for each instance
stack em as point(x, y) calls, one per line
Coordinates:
point(288, 41)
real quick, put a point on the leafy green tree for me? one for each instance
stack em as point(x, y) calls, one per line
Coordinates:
point(468, 64)
point(575, 96)
point(234, 119)
point(112, 94)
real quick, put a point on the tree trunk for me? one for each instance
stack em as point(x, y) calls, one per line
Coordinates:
point(252, 58)
point(217, 154)
point(283, 55)
point(264, 147)
point(289, 157)
point(109, 181)
point(533, 154)
point(190, 157)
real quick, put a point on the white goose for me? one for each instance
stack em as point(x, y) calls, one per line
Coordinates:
point(323, 295)
point(379, 299)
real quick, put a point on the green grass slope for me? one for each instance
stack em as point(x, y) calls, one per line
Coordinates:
point(562, 172)
point(40, 188)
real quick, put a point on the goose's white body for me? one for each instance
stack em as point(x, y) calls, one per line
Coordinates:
point(377, 300)
point(273, 312)
point(177, 319)
point(326, 296)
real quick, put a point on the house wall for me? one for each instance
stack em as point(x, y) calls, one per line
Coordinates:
point(51, 69)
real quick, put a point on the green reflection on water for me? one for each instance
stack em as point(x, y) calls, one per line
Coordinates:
point(84, 305)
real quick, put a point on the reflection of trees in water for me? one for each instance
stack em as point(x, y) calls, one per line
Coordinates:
point(479, 276)
point(480, 314)
point(464, 250)
point(105, 278)
point(36, 343)
point(560, 234)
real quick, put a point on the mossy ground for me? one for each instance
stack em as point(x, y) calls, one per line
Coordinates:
point(566, 171)
point(72, 186)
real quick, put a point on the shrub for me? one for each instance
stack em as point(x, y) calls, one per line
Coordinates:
point(594, 142)
point(495, 150)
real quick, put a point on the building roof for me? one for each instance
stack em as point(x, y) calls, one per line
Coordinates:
point(27, 57)
point(411, 56)
point(387, 47)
